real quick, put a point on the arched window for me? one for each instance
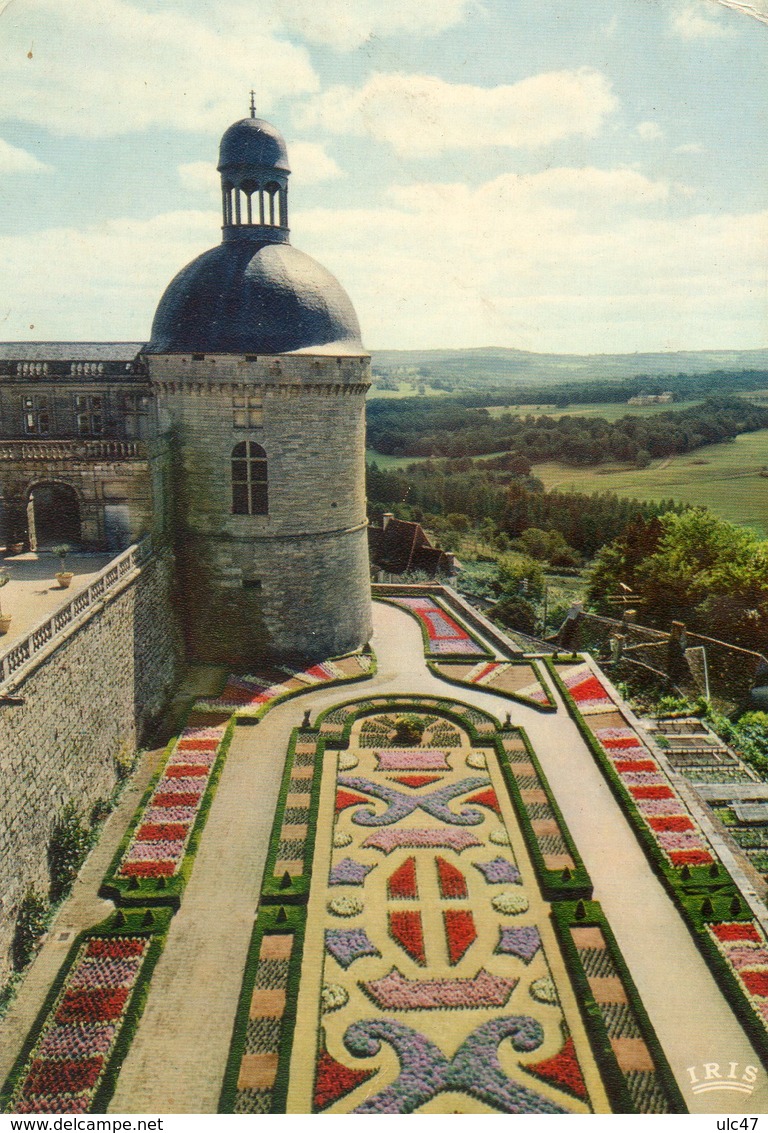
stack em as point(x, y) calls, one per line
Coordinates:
point(249, 479)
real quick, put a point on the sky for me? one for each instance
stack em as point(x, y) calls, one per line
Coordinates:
point(571, 176)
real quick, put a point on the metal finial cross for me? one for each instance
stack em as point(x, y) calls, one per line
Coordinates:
point(253, 104)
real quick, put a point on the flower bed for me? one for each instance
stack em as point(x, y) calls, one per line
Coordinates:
point(252, 694)
point(516, 680)
point(744, 947)
point(149, 864)
point(85, 1026)
point(440, 952)
point(443, 634)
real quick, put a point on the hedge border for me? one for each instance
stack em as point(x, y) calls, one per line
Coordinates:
point(550, 706)
point(271, 885)
point(147, 890)
point(105, 930)
point(485, 654)
point(564, 917)
point(687, 896)
point(554, 886)
point(266, 924)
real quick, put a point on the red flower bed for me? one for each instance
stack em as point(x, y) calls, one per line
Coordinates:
point(67, 1076)
point(186, 770)
point(562, 1070)
point(97, 1005)
point(623, 765)
point(732, 930)
point(405, 928)
point(486, 798)
point(347, 798)
point(402, 883)
point(621, 743)
point(690, 857)
point(117, 949)
point(652, 792)
point(670, 822)
point(590, 689)
point(333, 1080)
point(197, 745)
point(460, 932)
point(450, 879)
point(148, 869)
point(755, 982)
point(175, 800)
point(162, 832)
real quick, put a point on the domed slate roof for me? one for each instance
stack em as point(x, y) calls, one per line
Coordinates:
point(252, 141)
point(248, 297)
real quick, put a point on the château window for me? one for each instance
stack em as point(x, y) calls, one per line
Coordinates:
point(37, 416)
point(247, 412)
point(89, 413)
point(249, 479)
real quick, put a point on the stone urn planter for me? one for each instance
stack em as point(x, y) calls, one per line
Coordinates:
point(5, 619)
point(63, 576)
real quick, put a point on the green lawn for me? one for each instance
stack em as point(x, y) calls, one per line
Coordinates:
point(373, 457)
point(724, 477)
point(405, 389)
point(610, 411)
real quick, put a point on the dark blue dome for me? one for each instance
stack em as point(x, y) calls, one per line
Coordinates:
point(253, 142)
point(247, 297)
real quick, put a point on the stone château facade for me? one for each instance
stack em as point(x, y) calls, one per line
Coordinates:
point(236, 434)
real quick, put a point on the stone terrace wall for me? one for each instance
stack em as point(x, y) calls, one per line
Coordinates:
point(88, 700)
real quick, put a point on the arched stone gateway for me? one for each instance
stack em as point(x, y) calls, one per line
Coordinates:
point(53, 515)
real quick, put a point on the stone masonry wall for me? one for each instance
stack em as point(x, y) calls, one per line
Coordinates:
point(89, 700)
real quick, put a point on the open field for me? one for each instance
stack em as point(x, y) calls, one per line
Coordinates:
point(609, 411)
point(387, 462)
point(405, 389)
point(724, 477)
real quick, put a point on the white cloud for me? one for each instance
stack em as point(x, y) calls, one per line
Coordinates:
point(524, 262)
point(581, 260)
point(649, 131)
point(101, 68)
point(200, 177)
point(15, 160)
point(691, 147)
point(422, 114)
point(344, 25)
point(310, 163)
point(694, 22)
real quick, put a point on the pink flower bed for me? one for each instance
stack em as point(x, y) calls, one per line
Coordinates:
point(445, 635)
point(67, 1063)
point(586, 690)
point(666, 816)
point(745, 949)
point(158, 846)
point(411, 759)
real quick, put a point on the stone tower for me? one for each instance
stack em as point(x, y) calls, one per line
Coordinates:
point(260, 378)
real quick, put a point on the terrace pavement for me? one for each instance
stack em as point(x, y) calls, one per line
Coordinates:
point(33, 592)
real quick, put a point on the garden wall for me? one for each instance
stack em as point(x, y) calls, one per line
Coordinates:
point(77, 709)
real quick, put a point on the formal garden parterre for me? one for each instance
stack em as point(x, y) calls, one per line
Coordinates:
point(678, 849)
point(73, 1053)
point(427, 933)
